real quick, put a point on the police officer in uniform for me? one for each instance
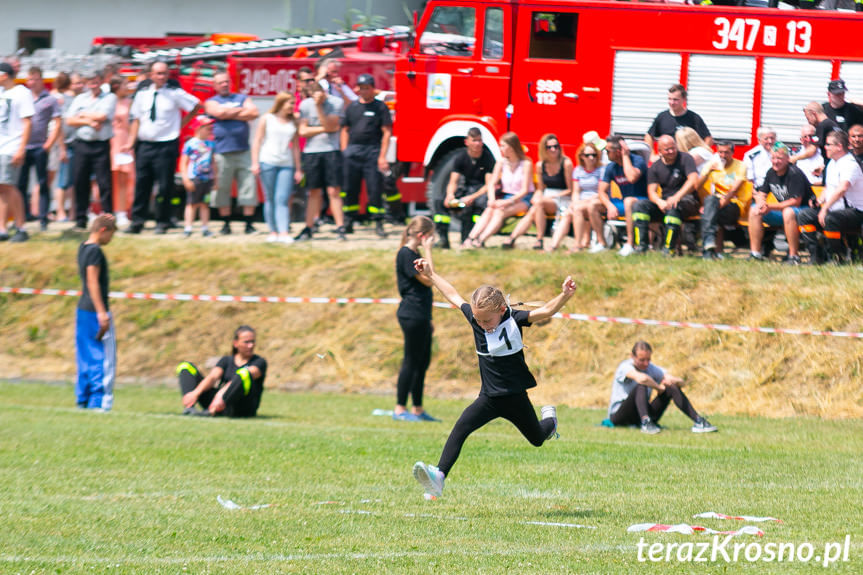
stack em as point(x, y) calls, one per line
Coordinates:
point(365, 139)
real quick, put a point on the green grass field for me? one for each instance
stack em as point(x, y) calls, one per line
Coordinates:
point(135, 490)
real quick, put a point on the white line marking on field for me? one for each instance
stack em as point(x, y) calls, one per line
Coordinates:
point(553, 524)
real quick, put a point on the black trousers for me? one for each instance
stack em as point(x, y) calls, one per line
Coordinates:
point(189, 377)
point(155, 163)
point(635, 407)
point(237, 402)
point(837, 224)
point(646, 211)
point(35, 158)
point(467, 215)
point(92, 158)
point(714, 216)
point(515, 408)
point(412, 376)
point(361, 163)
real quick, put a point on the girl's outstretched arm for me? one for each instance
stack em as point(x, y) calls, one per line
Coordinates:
point(552, 306)
point(425, 268)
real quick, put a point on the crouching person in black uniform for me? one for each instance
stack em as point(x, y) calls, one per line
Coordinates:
point(232, 388)
point(466, 193)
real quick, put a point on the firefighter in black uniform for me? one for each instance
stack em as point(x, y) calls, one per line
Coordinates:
point(365, 139)
point(465, 195)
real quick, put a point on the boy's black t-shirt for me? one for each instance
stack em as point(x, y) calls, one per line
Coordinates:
point(92, 255)
point(416, 298)
point(474, 170)
point(502, 367)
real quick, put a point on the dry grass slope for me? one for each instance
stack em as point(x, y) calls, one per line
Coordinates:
point(357, 348)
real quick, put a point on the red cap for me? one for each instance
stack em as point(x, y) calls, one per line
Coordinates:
point(201, 120)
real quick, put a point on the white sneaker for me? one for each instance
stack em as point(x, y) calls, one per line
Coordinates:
point(430, 477)
point(285, 240)
point(596, 248)
point(626, 250)
point(550, 412)
point(272, 238)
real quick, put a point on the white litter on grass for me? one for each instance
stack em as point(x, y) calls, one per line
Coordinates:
point(554, 524)
point(329, 503)
point(715, 515)
point(357, 512)
point(686, 529)
point(384, 412)
point(228, 504)
point(320, 355)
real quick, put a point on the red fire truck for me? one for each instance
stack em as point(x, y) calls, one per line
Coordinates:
point(571, 66)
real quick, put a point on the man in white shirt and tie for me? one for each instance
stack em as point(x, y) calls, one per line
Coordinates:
point(156, 114)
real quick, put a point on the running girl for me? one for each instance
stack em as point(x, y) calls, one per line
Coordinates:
point(504, 374)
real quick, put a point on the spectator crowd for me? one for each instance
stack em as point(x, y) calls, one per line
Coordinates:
point(674, 185)
point(106, 146)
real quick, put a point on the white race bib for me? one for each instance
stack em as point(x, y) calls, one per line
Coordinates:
point(504, 340)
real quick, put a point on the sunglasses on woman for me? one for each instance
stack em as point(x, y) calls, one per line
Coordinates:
point(588, 155)
point(552, 146)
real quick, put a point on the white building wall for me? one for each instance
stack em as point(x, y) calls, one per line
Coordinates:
point(76, 22)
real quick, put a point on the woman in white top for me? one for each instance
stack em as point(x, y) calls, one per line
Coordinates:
point(690, 142)
point(514, 172)
point(276, 158)
point(585, 195)
point(554, 188)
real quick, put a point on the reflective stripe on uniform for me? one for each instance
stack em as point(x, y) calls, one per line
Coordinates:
point(394, 198)
point(672, 221)
point(832, 235)
point(246, 377)
point(186, 366)
point(375, 210)
point(641, 216)
point(442, 219)
point(350, 208)
point(807, 228)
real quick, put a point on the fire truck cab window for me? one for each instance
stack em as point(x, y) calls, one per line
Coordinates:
point(451, 31)
point(553, 35)
point(492, 39)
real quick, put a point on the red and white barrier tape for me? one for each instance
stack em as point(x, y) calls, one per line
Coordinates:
point(395, 301)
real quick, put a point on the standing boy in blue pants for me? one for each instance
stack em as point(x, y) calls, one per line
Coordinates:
point(95, 342)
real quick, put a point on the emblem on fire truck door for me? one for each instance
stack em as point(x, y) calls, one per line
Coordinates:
point(438, 92)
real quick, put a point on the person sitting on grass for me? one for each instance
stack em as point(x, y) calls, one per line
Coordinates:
point(497, 332)
point(630, 394)
point(232, 388)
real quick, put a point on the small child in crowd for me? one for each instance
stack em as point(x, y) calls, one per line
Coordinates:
point(199, 177)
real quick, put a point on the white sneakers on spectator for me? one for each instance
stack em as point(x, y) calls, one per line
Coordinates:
point(596, 248)
point(626, 250)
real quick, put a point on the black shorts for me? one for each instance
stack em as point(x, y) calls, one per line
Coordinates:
point(202, 190)
point(323, 170)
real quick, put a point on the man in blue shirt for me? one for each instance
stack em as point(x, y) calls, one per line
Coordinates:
point(629, 171)
point(232, 113)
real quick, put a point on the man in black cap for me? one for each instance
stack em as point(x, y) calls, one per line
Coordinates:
point(838, 109)
point(365, 139)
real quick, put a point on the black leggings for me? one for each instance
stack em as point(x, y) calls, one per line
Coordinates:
point(412, 376)
point(189, 377)
point(516, 408)
point(635, 406)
